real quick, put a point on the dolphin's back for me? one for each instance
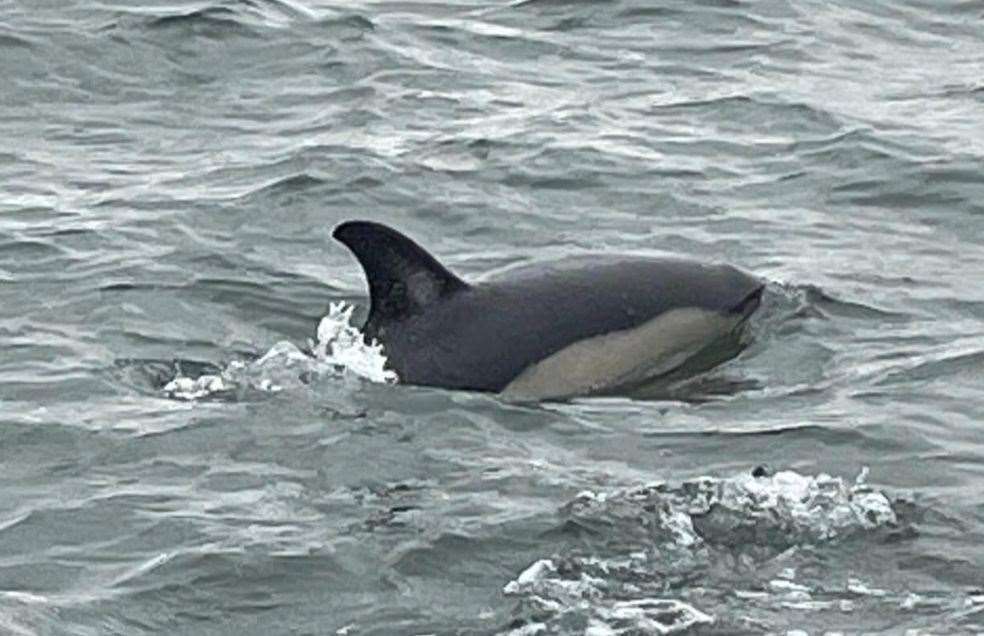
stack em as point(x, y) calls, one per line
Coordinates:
point(486, 335)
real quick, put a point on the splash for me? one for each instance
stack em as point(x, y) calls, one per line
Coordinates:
point(340, 351)
point(343, 345)
point(647, 542)
point(788, 508)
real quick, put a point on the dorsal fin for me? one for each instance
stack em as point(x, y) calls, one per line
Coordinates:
point(403, 277)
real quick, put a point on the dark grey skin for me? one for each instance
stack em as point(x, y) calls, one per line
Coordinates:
point(438, 330)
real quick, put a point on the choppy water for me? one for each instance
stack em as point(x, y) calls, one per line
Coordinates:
point(169, 176)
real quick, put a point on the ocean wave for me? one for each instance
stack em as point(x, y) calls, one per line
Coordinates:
point(235, 14)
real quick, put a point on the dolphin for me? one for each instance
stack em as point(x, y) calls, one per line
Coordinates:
point(583, 325)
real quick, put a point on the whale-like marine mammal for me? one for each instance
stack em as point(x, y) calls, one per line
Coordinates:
point(576, 326)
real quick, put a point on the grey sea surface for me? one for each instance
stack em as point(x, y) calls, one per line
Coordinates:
point(169, 177)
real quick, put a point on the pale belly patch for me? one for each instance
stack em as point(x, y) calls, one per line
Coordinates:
point(621, 358)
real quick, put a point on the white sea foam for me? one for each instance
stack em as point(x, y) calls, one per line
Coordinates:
point(663, 533)
point(343, 345)
point(558, 600)
point(339, 351)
